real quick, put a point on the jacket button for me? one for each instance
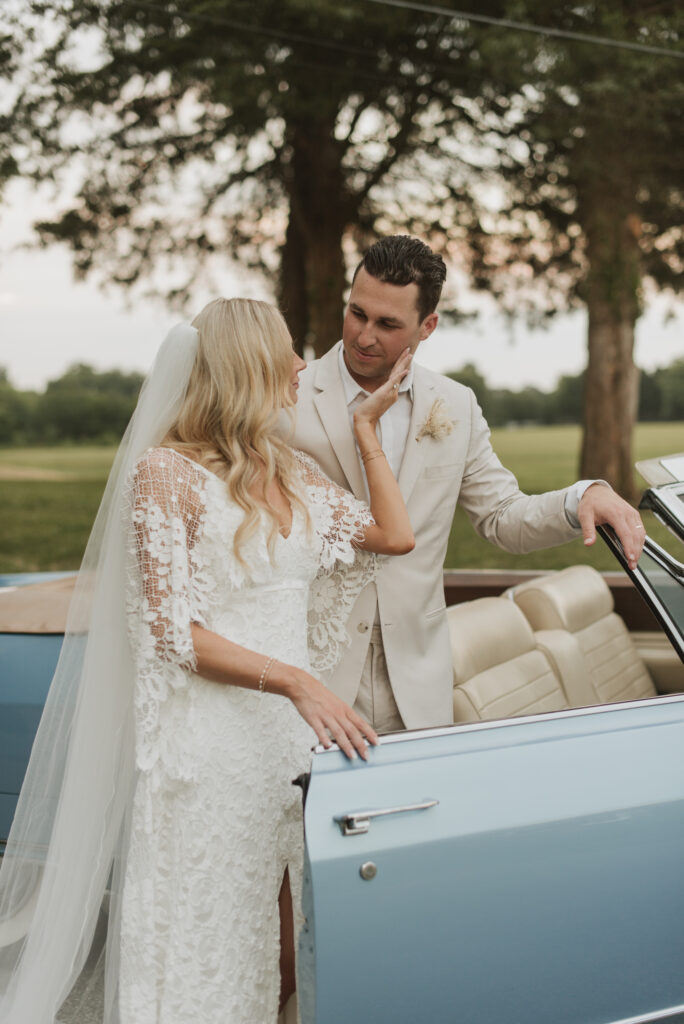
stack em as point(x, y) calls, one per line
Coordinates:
point(362, 627)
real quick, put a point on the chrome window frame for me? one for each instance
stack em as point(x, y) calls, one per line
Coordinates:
point(673, 629)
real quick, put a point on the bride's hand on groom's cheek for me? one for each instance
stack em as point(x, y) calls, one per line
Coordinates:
point(372, 408)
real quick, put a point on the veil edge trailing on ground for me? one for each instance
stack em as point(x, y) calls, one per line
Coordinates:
point(70, 831)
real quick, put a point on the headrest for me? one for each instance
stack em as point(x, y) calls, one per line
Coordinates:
point(485, 633)
point(571, 599)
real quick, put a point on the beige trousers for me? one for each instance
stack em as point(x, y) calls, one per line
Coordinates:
point(289, 1014)
point(375, 701)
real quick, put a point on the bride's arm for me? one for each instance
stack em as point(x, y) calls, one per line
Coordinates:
point(166, 509)
point(391, 533)
point(223, 661)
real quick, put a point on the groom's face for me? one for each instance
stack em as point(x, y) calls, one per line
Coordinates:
point(380, 322)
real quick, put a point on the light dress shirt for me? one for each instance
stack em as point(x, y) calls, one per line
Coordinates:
point(394, 427)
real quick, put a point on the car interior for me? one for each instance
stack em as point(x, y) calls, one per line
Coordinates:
point(555, 642)
point(552, 643)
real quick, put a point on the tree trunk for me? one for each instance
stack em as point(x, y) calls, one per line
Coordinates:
point(611, 389)
point(292, 286)
point(320, 210)
point(326, 280)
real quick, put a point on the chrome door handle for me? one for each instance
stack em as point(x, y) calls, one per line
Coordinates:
point(357, 823)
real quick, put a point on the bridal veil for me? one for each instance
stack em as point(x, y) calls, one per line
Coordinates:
point(64, 857)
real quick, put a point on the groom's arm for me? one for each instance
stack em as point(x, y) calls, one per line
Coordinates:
point(518, 522)
point(499, 511)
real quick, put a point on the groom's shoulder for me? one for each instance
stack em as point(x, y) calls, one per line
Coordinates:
point(321, 372)
point(446, 387)
point(307, 380)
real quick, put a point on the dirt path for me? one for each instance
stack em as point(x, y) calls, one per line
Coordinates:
point(34, 473)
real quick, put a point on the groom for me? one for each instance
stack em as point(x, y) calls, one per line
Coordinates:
point(397, 672)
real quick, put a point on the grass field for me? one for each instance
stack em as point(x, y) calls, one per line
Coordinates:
point(49, 497)
point(544, 459)
point(48, 500)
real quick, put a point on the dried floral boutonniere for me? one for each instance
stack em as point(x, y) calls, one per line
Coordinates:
point(437, 423)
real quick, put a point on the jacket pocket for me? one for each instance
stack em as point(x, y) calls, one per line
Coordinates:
point(452, 469)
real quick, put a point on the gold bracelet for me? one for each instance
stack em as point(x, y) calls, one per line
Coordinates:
point(264, 674)
point(373, 455)
point(375, 451)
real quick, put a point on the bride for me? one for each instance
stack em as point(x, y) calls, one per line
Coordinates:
point(213, 595)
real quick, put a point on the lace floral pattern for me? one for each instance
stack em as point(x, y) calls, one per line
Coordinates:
point(216, 819)
point(339, 519)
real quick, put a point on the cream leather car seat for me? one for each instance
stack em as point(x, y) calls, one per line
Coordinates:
point(498, 670)
point(578, 601)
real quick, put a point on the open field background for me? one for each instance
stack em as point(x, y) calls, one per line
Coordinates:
point(49, 497)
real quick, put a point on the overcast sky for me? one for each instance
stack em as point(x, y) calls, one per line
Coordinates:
point(47, 322)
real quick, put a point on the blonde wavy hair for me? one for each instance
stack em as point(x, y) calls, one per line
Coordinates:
point(238, 387)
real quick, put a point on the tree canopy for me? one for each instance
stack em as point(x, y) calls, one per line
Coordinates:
point(8, 68)
point(591, 149)
point(285, 135)
point(213, 128)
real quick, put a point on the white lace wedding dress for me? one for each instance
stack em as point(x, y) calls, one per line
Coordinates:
point(216, 819)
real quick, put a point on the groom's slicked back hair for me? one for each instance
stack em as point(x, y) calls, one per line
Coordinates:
point(402, 260)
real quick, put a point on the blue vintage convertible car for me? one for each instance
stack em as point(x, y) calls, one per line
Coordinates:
point(32, 615)
point(524, 866)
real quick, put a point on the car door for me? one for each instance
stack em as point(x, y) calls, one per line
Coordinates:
point(27, 664)
point(31, 635)
point(523, 871)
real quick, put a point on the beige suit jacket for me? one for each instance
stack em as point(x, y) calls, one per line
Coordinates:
point(433, 477)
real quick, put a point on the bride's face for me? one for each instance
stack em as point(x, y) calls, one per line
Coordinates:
point(298, 365)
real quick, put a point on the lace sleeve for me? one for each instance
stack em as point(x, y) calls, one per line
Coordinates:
point(339, 520)
point(165, 512)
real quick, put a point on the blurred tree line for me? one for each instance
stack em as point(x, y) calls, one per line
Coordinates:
point(661, 398)
point(82, 406)
point(86, 406)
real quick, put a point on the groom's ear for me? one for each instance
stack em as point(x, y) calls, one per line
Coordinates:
point(428, 325)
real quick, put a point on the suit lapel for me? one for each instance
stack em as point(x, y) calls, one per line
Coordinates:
point(412, 463)
point(332, 409)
